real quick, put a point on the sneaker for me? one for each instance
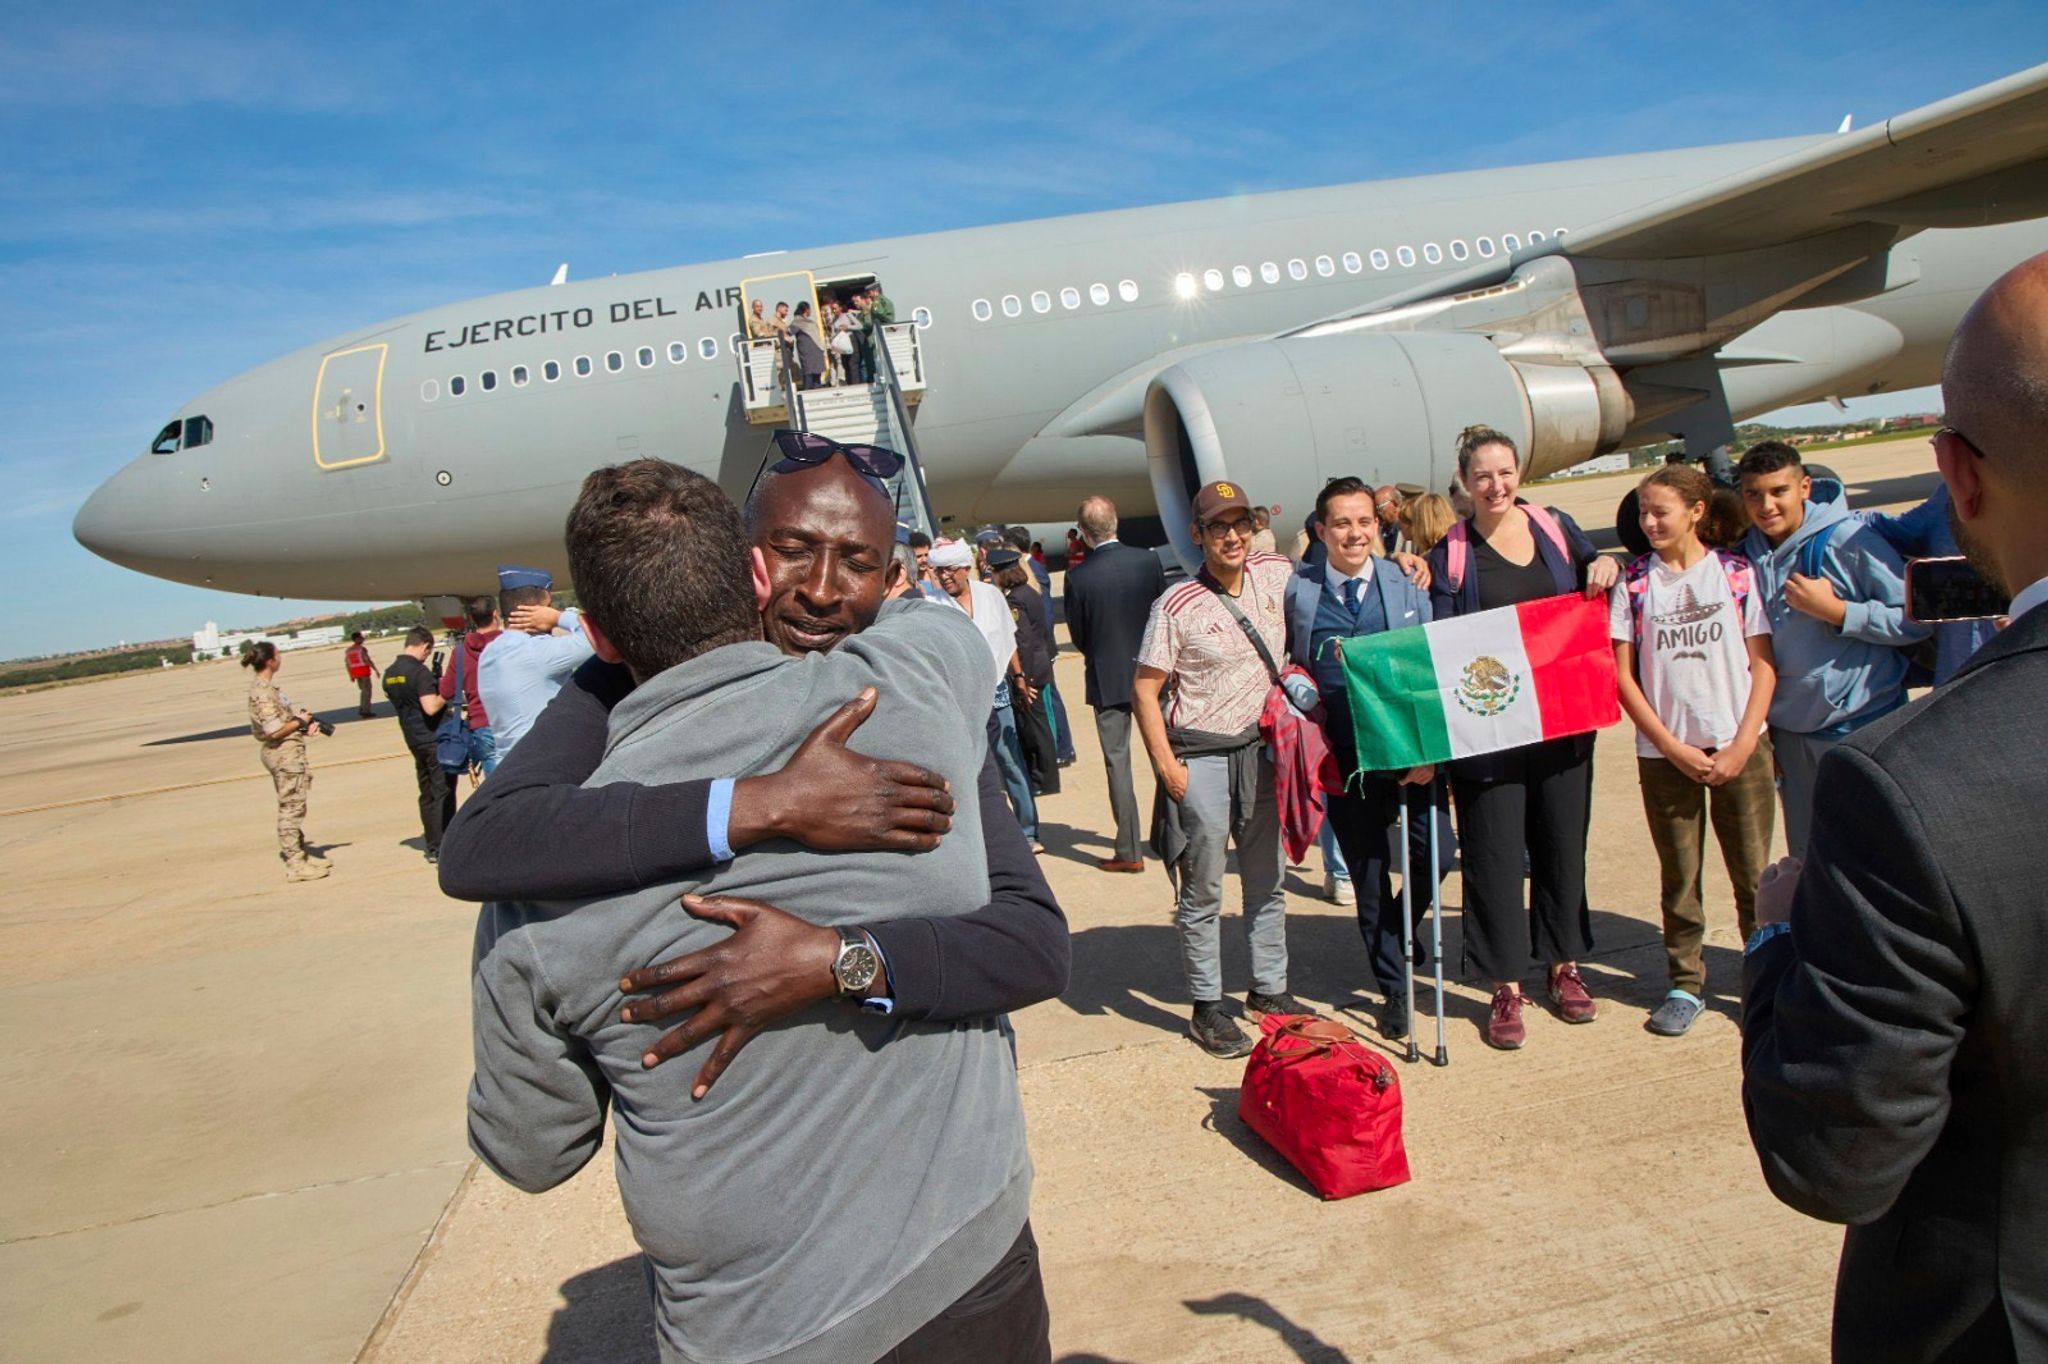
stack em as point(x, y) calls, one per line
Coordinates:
point(1393, 1018)
point(1568, 993)
point(1256, 1004)
point(1339, 892)
point(305, 871)
point(1504, 1024)
point(1674, 1017)
point(1215, 1033)
point(433, 857)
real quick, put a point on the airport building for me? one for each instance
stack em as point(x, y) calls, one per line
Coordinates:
point(209, 642)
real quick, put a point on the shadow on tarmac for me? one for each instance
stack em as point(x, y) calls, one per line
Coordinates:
point(607, 1318)
point(342, 715)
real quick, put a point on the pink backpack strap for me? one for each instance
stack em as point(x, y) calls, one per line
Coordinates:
point(1739, 580)
point(1636, 578)
point(1457, 545)
point(1547, 523)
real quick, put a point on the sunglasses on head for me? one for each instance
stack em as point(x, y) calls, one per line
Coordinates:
point(802, 450)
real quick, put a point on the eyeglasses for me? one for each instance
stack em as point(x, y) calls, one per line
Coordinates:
point(1968, 444)
point(1241, 528)
point(803, 449)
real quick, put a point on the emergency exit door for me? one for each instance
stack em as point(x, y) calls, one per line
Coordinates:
point(348, 407)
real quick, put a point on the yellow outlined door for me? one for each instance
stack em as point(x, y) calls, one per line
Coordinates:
point(348, 407)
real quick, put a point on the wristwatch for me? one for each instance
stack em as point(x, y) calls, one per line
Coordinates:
point(858, 965)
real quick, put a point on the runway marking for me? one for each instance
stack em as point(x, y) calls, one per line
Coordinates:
point(182, 786)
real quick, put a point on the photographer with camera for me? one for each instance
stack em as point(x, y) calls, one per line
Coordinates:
point(281, 730)
point(414, 691)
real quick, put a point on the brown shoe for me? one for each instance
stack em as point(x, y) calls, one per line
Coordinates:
point(1568, 995)
point(1111, 864)
point(1504, 1025)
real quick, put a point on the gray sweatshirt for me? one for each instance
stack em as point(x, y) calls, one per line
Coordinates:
point(851, 1175)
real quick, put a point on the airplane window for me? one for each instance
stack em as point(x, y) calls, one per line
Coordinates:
point(1212, 280)
point(1041, 301)
point(1325, 266)
point(1241, 276)
point(198, 431)
point(583, 367)
point(456, 384)
point(1297, 269)
point(166, 442)
point(1405, 255)
point(733, 342)
point(1559, 232)
point(922, 317)
point(677, 352)
point(1485, 245)
point(1269, 272)
point(1127, 290)
point(1458, 251)
point(1432, 253)
point(521, 375)
point(489, 379)
point(1536, 236)
point(645, 357)
point(429, 391)
point(1070, 297)
point(1510, 241)
point(982, 312)
point(551, 371)
point(1379, 259)
point(1098, 294)
point(708, 348)
point(614, 361)
point(1012, 306)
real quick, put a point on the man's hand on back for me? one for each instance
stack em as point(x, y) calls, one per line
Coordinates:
point(534, 620)
point(830, 798)
point(772, 966)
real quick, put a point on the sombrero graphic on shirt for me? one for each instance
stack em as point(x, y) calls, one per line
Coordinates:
point(1686, 609)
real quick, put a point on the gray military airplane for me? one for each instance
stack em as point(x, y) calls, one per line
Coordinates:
point(1279, 339)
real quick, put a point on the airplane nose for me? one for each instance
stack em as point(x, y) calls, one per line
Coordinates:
point(113, 520)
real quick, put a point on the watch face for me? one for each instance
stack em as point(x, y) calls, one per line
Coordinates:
point(857, 968)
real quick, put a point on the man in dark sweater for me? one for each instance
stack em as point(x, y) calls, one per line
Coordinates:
point(827, 585)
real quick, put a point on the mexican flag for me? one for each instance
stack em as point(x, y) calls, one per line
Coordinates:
point(1480, 683)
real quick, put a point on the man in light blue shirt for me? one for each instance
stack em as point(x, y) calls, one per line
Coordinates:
point(522, 669)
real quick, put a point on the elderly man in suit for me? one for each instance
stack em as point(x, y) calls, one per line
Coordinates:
point(1893, 1034)
point(1108, 598)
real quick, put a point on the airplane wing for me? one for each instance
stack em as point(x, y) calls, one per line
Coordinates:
point(1973, 159)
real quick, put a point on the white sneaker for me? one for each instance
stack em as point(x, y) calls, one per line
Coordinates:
point(1338, 892)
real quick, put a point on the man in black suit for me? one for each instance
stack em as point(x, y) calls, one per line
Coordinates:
point(1108, 598)
point(1893, 1033)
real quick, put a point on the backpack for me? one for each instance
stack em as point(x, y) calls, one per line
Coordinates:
point(1636, 579)
point(1920, 656)
point(451, 736)
point(1458, 544)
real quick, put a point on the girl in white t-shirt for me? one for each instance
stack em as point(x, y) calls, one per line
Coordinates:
point(1692, 646)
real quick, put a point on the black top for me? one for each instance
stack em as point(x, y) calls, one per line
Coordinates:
point(1034, 649)
point(1108, 600)
point(1011, 952)
point(406, 680)
point(1502, 583)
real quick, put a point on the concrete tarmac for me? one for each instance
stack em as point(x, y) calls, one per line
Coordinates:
point(235, 1117)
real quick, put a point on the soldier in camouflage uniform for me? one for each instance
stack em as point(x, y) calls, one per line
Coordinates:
point(282, 730)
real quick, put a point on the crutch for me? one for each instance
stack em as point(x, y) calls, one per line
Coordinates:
point(1436, 931)
point(1408, 927)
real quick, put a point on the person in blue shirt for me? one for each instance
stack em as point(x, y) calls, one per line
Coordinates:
point(1835, 592)
point(520, 671)
point(1353, 593)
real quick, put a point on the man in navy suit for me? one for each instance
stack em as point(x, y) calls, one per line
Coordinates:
point(1356, 593)
point(1108, 598)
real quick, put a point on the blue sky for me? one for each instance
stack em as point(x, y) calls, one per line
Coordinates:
point(190, 190)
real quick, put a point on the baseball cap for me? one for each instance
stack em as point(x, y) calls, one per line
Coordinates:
point(1216, 499)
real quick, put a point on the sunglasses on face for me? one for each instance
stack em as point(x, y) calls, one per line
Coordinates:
point(1242, 528)
point(803, 450)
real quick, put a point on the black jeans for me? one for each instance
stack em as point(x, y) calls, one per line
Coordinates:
point(1034, 731)
point(1542, 804)
point(437, 795)
point(1361, 818)
point(1001, 1320)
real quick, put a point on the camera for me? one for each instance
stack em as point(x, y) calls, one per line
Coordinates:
point(322, 727)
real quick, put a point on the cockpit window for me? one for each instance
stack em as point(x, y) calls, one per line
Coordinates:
point(198, 431)
point(166, 441)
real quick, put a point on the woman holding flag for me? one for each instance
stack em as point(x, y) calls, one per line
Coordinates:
point(1538, 796)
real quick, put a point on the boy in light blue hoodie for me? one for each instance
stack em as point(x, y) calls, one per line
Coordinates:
point(1835, 593)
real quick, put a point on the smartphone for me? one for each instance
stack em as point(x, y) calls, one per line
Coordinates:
point(1939, 590)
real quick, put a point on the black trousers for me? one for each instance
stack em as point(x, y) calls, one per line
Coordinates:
point(1001, 1320)
point(1543, 804)
point(1041, 752)
point(437, 795)
point(1361, 818)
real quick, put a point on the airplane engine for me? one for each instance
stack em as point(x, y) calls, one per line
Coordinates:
point(1284, 416)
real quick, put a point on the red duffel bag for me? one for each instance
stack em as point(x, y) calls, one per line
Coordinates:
point(1327, 1102)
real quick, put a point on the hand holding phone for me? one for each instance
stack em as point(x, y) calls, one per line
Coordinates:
point(1948, 589)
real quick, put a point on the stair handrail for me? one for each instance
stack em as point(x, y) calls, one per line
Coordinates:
point(884, 378)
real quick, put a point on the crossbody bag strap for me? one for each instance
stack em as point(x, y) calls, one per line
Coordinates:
point(1251, 632)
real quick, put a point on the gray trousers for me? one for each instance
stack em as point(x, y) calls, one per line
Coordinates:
point(1211, 820)
point(1113, 729)
point(1798, 763)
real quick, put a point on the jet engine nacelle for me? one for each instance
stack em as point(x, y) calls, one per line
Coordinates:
point(1284, 416)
